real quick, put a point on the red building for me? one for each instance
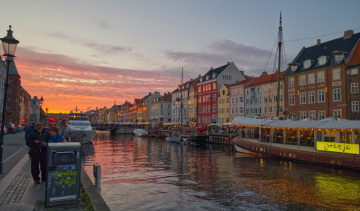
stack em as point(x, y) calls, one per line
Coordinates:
point(208, 89)
point(315, 82)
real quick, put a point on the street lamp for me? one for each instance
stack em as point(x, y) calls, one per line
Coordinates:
point(9, 44)
point(41, 101)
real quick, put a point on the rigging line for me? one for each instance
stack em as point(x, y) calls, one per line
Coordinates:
point(271, 53)
point(319, 36)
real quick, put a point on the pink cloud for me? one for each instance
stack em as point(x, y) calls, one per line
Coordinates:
point(65, 83)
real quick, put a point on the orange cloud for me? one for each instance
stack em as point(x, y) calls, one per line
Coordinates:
point(65, 83)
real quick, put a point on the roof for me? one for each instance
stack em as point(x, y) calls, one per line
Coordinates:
point(266, 79)
point(324, 49)
point(216, 70)
point(355, 58)
point(328, 123)
point(190, 83)
point(12, 68)
point(243, 82)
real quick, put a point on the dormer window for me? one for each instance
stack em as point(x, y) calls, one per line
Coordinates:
point(338, 56)
point(213, 75)
point(293, 67)
point(307, 63)
point(183, 86)
point(322, 60)
point(207, 77)
point(201, 79)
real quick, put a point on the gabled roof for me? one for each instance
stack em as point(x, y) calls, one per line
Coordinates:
point(355, 58)
point(266, 79)
point(189, 83)
point(12, 68)
point(324, 49)
point(216, 70)
point(243, 82)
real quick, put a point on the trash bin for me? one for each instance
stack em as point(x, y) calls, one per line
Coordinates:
point(63, 174)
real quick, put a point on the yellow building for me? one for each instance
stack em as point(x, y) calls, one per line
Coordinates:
point(269, 95)
point(192, 105)
point(224, 104)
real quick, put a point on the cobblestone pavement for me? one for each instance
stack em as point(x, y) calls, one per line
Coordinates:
point(17, 187)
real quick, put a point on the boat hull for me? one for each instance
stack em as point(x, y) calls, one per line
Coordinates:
point(173, 139)
point(298, 153)
point(82, 136)
point(140, 132)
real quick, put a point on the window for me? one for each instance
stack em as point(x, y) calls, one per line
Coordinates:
point(236, 110)
point(270, 109)
point(291, 82)
point(336, 74)
point(311, 78)
point(232, 100)
point(265, 110)
point(222, 110)
point(303, 98)
point(337, 94)
point(354, 106)
point(354, 71)
point(311, 97)
point(312, 115)
point(321, 115)
point(322, 60)
point(321, 96)
point(320, 76)
point(241, 99)
point(337, 113)
point(214, 108)
point(275, 98)
point(232, 110)
point(302, 115)
point(236, 100)
point(214, 85)
point(291, 99)
point(219, 111)
point(338, 57)
point(227, 100)
point(219, 101)
point(222, 101)
point(241, 110)
point(354, 88)
point(227, 110)
point(199, 89)
point(265, 99)
point(214, 97)
point(302, 80)
point(307, 63)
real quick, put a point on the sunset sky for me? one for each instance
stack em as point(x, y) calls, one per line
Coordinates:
point(89, 53)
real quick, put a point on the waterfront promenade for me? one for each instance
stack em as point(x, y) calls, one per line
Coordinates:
point(18, 190)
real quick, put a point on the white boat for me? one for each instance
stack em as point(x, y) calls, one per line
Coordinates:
point(78, 129)
point(173, 139)
point(140, 132)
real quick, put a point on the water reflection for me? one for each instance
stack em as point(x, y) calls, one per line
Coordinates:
point(146, 173)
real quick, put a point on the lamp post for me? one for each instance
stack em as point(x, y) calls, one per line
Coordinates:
point(9, 44)
point(41, 101)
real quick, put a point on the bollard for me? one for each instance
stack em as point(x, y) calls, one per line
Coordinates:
point(97, 175)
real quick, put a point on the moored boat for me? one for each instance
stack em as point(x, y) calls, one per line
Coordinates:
point(140, 132)
point(78, 129)
point(173, 138)
point(325, 141)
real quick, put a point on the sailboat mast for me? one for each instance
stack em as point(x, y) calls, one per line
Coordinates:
point(278, 69)
point(181, 103)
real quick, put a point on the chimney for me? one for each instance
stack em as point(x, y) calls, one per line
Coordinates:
point(264, 73)
point(318, 42)
point(348, 34)
point(211, 68)
point(149, 93)
point(228, 62)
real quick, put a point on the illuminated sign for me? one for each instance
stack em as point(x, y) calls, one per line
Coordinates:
point(337, 147)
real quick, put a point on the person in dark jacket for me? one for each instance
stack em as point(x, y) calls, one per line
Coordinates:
point(29, 130)
point(55, 136)
point(37, 141)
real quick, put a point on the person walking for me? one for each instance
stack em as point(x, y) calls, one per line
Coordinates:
point(29, 129)
point(37, 141)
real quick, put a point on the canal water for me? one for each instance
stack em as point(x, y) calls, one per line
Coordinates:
point(151, 174)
